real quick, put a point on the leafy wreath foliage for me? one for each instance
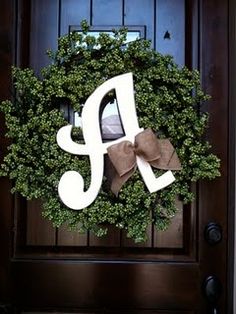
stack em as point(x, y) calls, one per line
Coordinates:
point(167, 100)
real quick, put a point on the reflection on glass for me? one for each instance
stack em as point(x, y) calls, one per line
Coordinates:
point(110, 121)
point(77, 120)
point(131, 35)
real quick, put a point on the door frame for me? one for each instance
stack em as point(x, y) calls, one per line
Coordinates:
point(232, 155)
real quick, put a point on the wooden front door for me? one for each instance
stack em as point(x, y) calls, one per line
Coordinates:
point(45, 269)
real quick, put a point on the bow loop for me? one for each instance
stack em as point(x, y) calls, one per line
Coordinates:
point(147, 145)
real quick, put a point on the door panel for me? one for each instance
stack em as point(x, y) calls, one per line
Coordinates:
point(39, 230)
point(124, 280)
point(54, 269)
point(173, 236)
point(140, 14)
point(43, 31)
point(170, 30)
point(106, 12)
point(73, 11)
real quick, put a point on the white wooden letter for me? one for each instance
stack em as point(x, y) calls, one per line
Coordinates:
point(71, 185)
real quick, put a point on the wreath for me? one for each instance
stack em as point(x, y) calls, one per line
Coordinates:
point(168, 100)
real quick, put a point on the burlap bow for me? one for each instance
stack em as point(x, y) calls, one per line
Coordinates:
point(159, 153)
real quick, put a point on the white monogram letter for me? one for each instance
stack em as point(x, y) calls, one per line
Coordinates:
point(71, 185)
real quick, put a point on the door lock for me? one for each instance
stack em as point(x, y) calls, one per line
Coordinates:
point(213, 233)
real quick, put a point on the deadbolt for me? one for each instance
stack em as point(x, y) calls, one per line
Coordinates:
point(213, 233)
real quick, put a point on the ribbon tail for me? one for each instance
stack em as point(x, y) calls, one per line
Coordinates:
point(119, 181)
point(122, 164)
point(114, 180)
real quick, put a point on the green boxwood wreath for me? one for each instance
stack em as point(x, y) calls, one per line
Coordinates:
point(167, 100)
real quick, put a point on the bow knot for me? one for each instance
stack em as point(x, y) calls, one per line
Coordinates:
point(159, 153)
